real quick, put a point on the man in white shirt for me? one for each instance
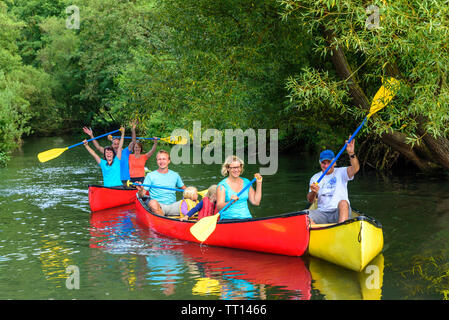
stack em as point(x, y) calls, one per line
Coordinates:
point(332, 191)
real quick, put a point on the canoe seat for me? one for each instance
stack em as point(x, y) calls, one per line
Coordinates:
point(314, 205)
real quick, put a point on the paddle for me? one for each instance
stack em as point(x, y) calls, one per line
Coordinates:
point(204, 228)
point(380, 100)
point(129, 183)
point(171, 139)
point(56, 152)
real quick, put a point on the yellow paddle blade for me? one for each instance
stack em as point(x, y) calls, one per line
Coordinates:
point(203, 193)
point(175, 140)
point(384, 95)
point(51, 154)
point(203, 228)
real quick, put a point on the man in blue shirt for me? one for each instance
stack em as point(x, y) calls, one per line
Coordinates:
point(124, 164)
point(162, 202)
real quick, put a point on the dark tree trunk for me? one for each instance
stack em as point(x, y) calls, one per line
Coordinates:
point(439, 146)
point(435, 150)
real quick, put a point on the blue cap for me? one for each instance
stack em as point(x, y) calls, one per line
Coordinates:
point(327, 155)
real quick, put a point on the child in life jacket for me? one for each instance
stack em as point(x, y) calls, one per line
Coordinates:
point(190, 200)
point(206, 207)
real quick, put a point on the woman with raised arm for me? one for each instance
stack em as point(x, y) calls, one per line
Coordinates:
point(137, 161)
point(110, 165)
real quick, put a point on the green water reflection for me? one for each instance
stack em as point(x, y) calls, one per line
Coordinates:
point(46, 226)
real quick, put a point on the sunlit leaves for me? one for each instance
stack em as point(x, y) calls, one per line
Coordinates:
point(223, 63)
point(411, 39)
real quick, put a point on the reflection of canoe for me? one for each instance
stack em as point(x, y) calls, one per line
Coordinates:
point(337, 283)
point(110, 225)
point(213, 270)
point(288, 273)
point(101, 198)
point(285, 234)
point(351, 244)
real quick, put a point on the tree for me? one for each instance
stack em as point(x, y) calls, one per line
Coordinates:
point(32, 13)
point(22, 88)
point(409, 42)
point(59, 58)
point(221, 62)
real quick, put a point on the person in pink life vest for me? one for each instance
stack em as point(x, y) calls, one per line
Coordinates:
point(206, 207)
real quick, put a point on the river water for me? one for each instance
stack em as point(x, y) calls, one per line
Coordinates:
point(48, 234)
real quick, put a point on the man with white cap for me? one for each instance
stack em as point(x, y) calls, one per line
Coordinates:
point(332, 191)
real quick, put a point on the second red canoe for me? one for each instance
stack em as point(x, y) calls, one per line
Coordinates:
point(101, 198)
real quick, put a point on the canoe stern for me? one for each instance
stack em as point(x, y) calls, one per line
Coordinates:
point(351, 244)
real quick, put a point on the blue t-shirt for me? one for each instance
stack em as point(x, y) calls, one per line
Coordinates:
point(170, 179)
point(111, 174)
point(124, 164)
point(239, 209)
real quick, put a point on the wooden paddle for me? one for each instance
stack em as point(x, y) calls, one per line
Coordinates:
point(204, 228)
point(383, 96)
point(171, 139)
point(56, 152)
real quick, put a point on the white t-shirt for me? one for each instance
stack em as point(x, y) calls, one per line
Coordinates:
point(333, 188)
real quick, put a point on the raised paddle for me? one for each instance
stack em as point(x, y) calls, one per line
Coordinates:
point(204, 228)
point(56, 152)
point(171, 139)
point(380, 100)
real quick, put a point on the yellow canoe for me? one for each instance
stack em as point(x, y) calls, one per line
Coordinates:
point(351, 244)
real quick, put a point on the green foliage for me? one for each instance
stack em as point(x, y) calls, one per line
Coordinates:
point(14, 108)
point(318, 109)
point(32, 13)
point(26, 98)
point(14, 113)
point(409, 41)
point(59, 58)
point(230, 64)
point(166, 63)
point(223, 63)
point(4, 158)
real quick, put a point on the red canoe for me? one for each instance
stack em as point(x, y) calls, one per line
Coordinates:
point(286, 234)
point(101, 198)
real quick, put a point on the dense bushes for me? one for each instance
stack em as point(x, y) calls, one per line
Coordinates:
point(289, 65)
